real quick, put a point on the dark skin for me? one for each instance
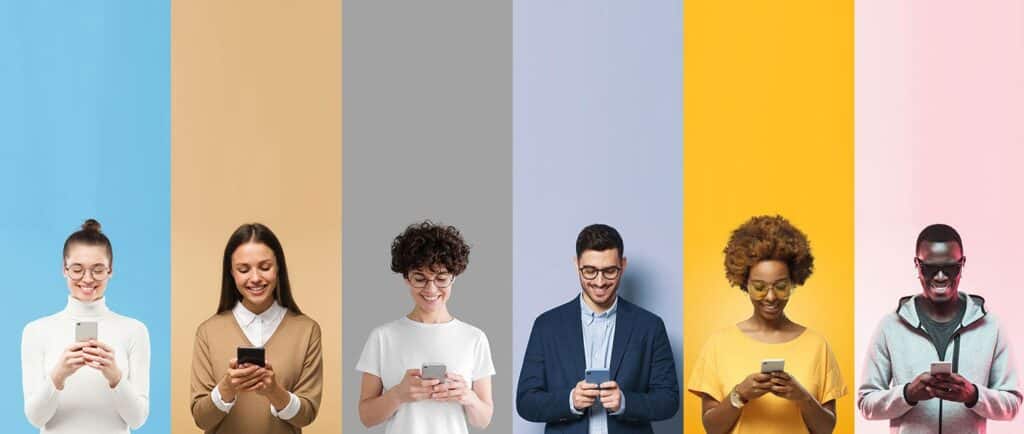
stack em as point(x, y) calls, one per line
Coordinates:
point(769, 324)
point(941, 302)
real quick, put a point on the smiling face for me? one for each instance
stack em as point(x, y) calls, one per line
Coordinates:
point(430, 288)
point(87, 271)
point(254, 268)
point(773, 276)
point(939, 266)
point(600, 272)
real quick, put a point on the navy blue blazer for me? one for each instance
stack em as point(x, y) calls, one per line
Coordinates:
point(642, 364)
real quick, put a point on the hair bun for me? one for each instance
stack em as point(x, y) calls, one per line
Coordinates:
point(91, 225)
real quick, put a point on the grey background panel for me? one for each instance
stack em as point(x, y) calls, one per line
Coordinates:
point(427, 134)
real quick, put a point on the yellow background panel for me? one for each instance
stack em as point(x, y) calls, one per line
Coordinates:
point(768, 129)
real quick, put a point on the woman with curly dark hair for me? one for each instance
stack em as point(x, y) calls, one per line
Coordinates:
point(795, 390)
point(427, 372)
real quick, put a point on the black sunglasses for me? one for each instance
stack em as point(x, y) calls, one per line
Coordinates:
point(951, 270)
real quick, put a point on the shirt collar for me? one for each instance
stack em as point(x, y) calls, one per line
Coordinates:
point(246, 317)
point(588, 312)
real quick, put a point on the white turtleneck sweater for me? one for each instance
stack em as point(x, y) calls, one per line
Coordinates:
point(87, 404)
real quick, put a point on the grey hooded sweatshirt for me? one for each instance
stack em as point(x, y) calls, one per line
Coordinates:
point(901, 350)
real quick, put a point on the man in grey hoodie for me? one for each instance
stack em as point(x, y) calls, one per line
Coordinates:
point(940, 324)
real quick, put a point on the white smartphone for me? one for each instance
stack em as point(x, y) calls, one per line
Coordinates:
point(942, 368)
point(434, 371)
point(85, 330)
point(773, 365)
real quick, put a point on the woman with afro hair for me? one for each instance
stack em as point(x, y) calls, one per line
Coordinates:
point(767, 258)
point(395, 390)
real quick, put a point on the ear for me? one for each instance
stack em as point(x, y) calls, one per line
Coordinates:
point(576, 262)
point(624, 263)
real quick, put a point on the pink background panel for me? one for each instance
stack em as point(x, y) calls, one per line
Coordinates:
point(939, 138)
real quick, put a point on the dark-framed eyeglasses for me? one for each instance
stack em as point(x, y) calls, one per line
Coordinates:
point(77, 272)
point(420, 280)
point(949, 269)
point(590, 273)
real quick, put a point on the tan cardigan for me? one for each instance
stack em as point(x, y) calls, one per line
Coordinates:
point(293, 350)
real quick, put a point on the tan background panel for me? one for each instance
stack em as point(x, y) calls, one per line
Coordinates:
point(255, 136)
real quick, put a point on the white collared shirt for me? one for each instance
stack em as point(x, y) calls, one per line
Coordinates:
point(258, 328)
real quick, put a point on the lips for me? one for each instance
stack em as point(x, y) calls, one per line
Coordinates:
point(771, 308)
point(256, 290)
point(431, 299)
point(941, 289)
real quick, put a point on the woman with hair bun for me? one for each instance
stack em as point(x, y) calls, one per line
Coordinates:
point(85, 369)
point(767, 258)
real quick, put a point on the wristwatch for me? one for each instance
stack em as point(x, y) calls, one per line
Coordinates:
point(736, 400)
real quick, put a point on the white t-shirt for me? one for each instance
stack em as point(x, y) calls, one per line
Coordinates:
point(398, 346)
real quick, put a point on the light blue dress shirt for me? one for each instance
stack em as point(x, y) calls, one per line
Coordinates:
point(598, 337)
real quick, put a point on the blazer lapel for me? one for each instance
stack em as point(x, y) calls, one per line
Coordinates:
point(573, 327)
point(623, 331)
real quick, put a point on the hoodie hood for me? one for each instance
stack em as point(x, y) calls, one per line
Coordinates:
point(907, 310)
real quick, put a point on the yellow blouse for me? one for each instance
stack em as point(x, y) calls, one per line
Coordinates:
point(729, 356)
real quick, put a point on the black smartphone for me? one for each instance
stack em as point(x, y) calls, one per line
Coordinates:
point(252, 356)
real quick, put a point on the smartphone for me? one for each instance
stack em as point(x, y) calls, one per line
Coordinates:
point(252, 355)
point(596, 376)
point(85, 330)
point(942, 368)
point(434, 371)
point(773, 365)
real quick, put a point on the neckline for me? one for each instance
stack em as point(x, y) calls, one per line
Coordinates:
point(87, 309)
point(241, 333)
point(798, 337)
point(406, 320)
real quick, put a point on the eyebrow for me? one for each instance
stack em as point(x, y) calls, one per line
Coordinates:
point(765, 281)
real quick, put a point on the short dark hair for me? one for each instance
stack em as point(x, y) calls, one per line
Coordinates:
point(256, 233)
point(598, 237)
point(764, 238)
point(90, 235)
point(938, 233)
point(427, 244)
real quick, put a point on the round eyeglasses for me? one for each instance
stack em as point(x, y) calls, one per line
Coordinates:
point(758, 289)
point(77, 272)
point(442, 280)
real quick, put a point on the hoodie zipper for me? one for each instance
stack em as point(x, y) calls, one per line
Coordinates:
point(942, 357)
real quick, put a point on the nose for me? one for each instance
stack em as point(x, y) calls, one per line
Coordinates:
point(770, 296)
point(941, 275)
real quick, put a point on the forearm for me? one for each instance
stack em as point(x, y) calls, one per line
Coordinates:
point(478, 412)
point(41, 402)
point(132, 406)
point(721, 418)
point(818, 419)
point(376, 410)
point(878, 403)
point(997, 404)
